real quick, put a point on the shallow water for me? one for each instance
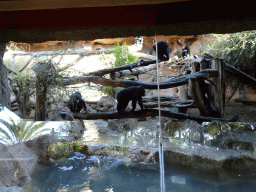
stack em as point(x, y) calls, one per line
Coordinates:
point(81, 173)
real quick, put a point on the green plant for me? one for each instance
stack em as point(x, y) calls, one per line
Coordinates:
point(120, 56)
point(117, 149)
point(59, 150)
point(239, 50)
point(19, 132)
point(63, 149)
point(23, 85)
point(109, 90)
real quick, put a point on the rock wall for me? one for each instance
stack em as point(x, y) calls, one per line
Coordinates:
point(5, 89)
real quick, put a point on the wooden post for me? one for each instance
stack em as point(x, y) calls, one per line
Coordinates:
point(218, 91)
point(198, 97)
point(209, 97)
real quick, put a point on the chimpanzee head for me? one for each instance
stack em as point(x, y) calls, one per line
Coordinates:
point(138, 40)
point(78, 93)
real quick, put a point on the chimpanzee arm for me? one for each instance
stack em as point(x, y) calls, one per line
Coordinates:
point(83, 105)
point(140, 100)
point(134, 102)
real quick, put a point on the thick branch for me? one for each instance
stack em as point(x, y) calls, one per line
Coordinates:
point(241, 75)
point(137, 71)
point(148, 112)
point(187, 104)
point(26, 63)
point(72, 64)
point(144, 56)
point(126, 83)
point(124, 67)
point(73, 52)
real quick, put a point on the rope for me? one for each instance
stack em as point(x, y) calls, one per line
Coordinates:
point(161, 151)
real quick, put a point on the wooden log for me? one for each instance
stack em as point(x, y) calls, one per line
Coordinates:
point(246, 102)
point(26, 63)
point(72, 52)
point(127, 83)
point(178, 104)
point(144, 56)
point(135, 71)
point(218, 91)
point(145, 113)
point(243, 77)
point(141, 70)
point(199, 97)
point(162, 98)
point(86, 102)
point(124, 67)
point(72, 64)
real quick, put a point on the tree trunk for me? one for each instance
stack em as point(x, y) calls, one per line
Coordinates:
point(5, 89)
point(41, 91)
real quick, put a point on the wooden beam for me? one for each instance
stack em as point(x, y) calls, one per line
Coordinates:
point(26, 63)
point(145, 113)
point(243, 77)
point(170, 83)
point(124, 67)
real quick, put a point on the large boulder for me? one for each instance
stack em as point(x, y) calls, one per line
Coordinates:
point(106, 104)
point(77, 129)
point(40, 145)
point(16, 165)
point(122, 124)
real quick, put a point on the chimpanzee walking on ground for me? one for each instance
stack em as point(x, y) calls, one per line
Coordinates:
point(162, 51)
point(133, 93)
point(76, 103)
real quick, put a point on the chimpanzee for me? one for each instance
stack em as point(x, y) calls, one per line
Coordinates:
point(185, 51)
point(133, 93)
point(163, 51)
point(76, 103)
point(138, 40)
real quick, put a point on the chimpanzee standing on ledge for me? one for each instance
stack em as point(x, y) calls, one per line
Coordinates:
point(76, 103)
point(185, 51)
point(163, 51)
point(133, 93)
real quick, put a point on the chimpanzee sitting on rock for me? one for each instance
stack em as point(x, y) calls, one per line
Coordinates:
point(133, 93)
point(162, 50)
point(76, 103)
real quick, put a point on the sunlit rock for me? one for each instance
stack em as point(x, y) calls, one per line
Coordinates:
point(16, 164)
point(122, 124)
point(106, 104)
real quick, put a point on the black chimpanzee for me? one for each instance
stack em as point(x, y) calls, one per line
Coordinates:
point(185, 51)
point(163, 51)
point(76, 103)
point(133, 93)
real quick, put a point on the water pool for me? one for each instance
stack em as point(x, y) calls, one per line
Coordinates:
point(81, 173)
